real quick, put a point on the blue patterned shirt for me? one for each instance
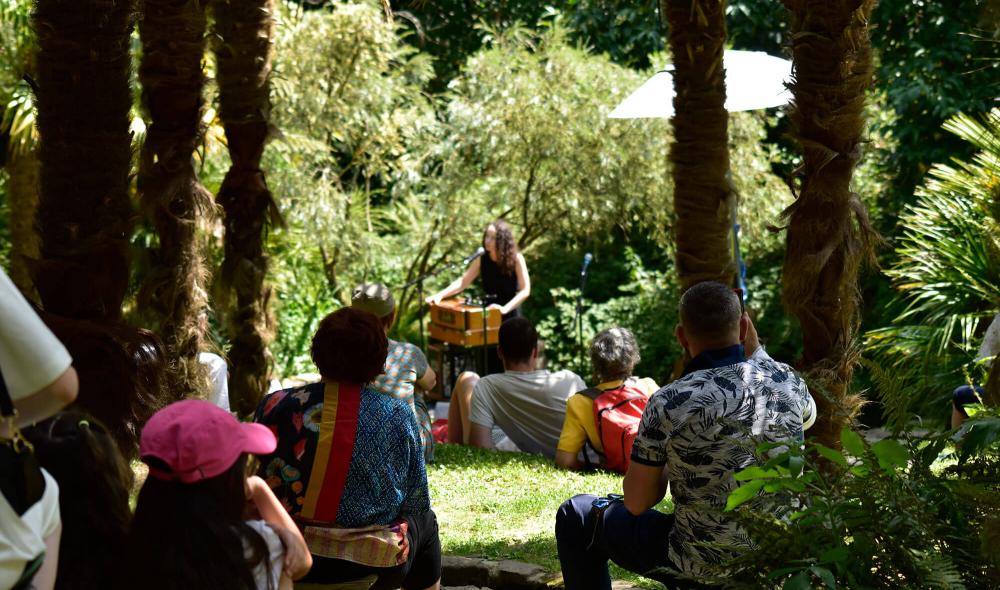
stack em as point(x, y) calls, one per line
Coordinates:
point(386, 478)
point(704, 428)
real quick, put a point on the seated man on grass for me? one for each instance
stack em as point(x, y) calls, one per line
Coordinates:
point(696, 433)
point(614, 353)
point(528, 404)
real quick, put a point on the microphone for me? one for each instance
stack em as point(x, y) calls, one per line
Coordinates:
point(479, 252)
point(587, 258)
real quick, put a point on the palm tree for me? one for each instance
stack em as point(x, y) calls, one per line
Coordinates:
point(173, 42)
point(243, 39)
point(704, 197)
point(85, 215)
point(17, 118)
point(829, 235)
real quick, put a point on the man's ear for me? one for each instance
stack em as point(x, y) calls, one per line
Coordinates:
point(744, 326)
point(681, 336)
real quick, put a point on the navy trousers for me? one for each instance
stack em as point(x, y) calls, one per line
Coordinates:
point(586, 542)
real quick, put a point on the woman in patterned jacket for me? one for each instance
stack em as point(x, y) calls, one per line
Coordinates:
point(349, 467)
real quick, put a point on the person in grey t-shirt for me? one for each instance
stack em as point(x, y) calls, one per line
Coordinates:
point(529, 405)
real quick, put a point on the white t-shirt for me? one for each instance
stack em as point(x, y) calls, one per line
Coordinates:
point(31, 357)
point(22, 538)
point(991, 342)
point(218, 376)
point(530, 406)
point(276, 556)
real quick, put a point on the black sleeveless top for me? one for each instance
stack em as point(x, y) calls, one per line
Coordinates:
point(498, 287)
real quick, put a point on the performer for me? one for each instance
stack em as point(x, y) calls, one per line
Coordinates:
point(503, 272)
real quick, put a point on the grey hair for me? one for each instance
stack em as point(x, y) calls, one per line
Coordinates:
point(613, 354)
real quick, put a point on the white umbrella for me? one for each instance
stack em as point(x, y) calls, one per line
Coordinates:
point(754, 80)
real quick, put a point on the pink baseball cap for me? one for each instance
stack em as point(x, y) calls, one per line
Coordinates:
point(199, 440)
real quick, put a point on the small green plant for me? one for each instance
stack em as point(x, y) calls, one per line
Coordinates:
point(872, 515)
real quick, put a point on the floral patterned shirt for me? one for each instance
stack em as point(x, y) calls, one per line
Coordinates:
point(404, 365)
point(704, 428)
point(346, 455)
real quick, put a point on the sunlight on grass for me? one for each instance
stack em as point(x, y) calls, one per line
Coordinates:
point(500, 505)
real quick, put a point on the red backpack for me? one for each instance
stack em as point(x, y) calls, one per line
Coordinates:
point(617, 413)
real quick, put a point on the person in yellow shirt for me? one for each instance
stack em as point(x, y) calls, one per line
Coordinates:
point(613, 355)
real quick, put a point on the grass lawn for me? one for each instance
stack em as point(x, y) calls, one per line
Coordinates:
point(501, 505)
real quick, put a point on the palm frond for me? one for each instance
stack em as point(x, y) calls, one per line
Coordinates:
point(947, 275)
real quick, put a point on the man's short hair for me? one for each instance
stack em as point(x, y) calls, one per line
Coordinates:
point(374, 298)
point(350, 346)
point(710, 311)
point(613, 354)
point(518, 338)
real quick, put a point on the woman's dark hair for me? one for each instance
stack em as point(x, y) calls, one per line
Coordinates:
point(94, 482)
point(193, 535)
point(506, 246)
point(350, 346)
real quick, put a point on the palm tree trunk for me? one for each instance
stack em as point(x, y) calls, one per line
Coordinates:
point(829, 235)
point(23, 171)
point(704, 196)
point(173, 42)
point(84, 211)
point(243, 39)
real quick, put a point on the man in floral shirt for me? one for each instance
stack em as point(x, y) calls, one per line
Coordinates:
point(696, 433)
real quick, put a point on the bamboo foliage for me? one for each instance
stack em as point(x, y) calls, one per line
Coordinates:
point(242, 44)
point(174, 294)
point(704, 196)
point(829, 234)
point(84, 215)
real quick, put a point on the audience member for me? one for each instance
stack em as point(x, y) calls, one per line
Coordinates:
point(349, 466)
point(190, 528)
point(614, 354)
point(95, 482)
point(36, 376)
point(407, 376)
point(696, 433)
point(218, 371)
point(965, 395)
point(527, 403)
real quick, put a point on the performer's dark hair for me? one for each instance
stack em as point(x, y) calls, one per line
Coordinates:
point(518, 338)
point(350, 345)
point(506, 246)
point(709, 311)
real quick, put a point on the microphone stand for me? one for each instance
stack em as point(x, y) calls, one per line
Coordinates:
point(579, 321)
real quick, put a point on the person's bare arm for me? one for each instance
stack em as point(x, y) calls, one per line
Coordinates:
point(48, 400)
point(481, 437)
point(427, 381)
point(750, 339)
point(644, 487)
point(523, 286)
point(298, 560)
point(458, 285)
point(567, 460)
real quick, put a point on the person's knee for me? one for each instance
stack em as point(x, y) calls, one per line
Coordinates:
point(572, 514)
point(466, 381)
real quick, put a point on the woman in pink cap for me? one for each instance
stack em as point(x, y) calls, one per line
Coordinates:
point(190, 528)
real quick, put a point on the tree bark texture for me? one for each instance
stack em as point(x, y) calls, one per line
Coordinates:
point(829, 234)
point(23, 172)
point(704, 196)
point(84, 215)
point(243, 39)
point(174, 294)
